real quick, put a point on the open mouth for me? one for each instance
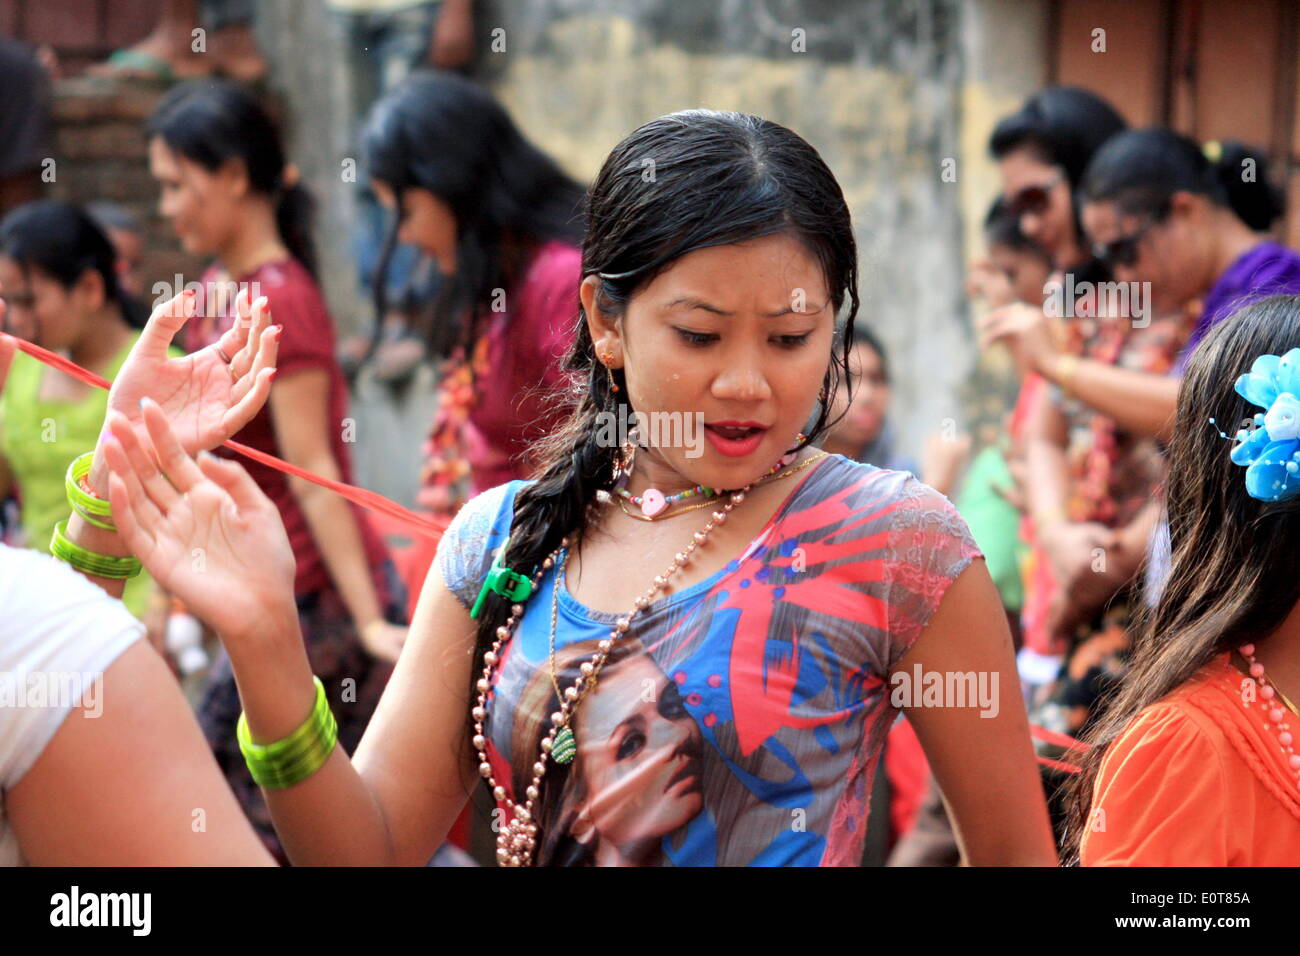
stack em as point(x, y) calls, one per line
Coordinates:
point(735, 439)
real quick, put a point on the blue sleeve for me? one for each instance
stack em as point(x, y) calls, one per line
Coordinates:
point(470, 542)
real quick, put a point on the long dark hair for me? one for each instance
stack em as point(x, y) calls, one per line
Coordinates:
point(1234, 562)
point(60, 240)
point(446, 135)
point(679, 183)
point(214, 121)
point(1063, 126)
point(1140, 170)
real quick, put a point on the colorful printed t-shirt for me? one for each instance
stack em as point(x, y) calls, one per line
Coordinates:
point(740, 720)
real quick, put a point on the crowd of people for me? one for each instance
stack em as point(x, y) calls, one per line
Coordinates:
point(626, 688)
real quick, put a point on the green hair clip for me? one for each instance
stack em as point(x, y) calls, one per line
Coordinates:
point(511, 585)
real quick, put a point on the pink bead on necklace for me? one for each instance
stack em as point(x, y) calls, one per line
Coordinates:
point(1272, 700)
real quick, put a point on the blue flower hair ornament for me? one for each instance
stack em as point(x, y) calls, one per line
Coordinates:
point(1270, 451)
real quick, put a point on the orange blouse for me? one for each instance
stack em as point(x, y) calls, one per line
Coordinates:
point(1198, 779)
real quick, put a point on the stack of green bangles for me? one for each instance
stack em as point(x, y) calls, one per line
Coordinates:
point(97, 512)
point(296, 757)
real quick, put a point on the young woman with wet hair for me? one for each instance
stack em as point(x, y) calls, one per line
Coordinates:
point(1194, 762)
point(791, 597)
point(230, 193)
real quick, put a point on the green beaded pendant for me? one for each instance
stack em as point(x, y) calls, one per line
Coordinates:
point(565, 747)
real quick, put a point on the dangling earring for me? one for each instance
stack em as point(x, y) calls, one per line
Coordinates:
point(606, 359)
point(623, 463)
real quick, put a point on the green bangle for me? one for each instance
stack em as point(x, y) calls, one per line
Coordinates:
point(78, 497)
point(88, 562)
point(90, 519)
point(296, 757)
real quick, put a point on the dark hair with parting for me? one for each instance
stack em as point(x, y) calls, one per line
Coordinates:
point(61, 241)
point(1062, 125)
point(1140, 170)
point(1234, 564)
point(720, 178)
point(444, 134)
point(212, 122)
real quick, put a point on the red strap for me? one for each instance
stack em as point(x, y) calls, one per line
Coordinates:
point(418, 523)
point(1061, 740)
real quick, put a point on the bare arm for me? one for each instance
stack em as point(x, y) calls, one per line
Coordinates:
point(1142, 403)
point(1045, 464)
point(301, 428)
point(135, 786)
point(413, 769)
point(982, 757)
point(396, 800)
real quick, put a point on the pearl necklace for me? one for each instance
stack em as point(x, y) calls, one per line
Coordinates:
point(1277, 715)
point(517, 840)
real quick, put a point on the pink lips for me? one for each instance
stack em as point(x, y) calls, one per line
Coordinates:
point(734, 447)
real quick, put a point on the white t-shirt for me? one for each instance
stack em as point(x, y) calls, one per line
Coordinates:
point(58, 635)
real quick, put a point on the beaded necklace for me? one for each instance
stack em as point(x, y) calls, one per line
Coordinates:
point(517, 840)
point(1271, 700)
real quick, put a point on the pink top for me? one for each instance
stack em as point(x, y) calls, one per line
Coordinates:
point(516, 402)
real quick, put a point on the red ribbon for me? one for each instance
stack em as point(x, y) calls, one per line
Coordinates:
point(418, 523)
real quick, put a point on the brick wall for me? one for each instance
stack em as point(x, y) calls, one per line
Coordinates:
point(101, 154)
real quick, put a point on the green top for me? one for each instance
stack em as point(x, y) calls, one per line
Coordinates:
point(39, 439)
point(995, 523)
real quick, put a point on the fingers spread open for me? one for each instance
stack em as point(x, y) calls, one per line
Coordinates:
point(261, 318)
point(176, 465)
point(142, 465)
point(234, 480)
point(133, 511)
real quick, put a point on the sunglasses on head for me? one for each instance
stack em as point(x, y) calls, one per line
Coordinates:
point(1033, 199)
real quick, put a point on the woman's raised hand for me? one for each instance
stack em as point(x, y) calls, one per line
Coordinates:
point(206, 398)
point(203, 529)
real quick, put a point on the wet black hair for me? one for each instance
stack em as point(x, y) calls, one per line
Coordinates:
point(682, 182)
point(442, 133)
point(212, 122)
point(1140, 170)
point(60, 240)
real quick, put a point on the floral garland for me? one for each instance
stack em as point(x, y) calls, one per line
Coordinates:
point(444, 476)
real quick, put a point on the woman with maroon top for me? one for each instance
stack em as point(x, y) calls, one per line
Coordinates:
point(503, 223)
point(228, 192)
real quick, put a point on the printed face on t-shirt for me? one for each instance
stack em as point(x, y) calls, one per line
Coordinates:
point(639, 760)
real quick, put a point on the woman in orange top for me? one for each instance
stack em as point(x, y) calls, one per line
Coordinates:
point(1194, 763)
